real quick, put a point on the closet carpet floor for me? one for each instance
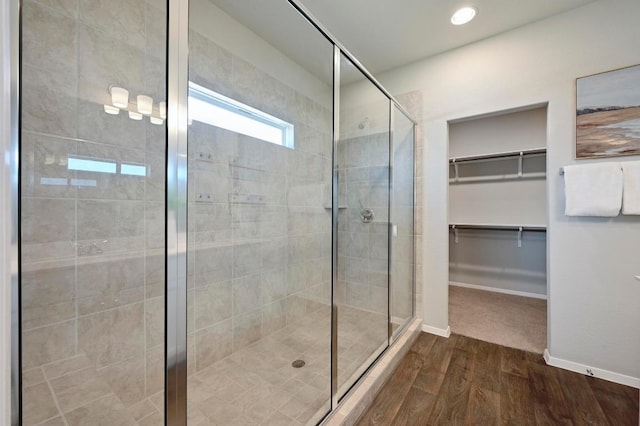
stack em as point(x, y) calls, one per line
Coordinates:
point(513, 321)
point(464, 381)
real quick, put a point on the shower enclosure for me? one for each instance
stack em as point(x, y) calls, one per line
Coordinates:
point(216, 215)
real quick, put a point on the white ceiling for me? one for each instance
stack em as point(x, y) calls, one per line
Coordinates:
point(385, 34)
point(382, 34)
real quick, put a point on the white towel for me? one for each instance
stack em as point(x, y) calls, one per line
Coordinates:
point(593, 189)
point(631, 191)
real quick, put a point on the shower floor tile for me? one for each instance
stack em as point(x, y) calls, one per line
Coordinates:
point(255, 386)
point(258, 384)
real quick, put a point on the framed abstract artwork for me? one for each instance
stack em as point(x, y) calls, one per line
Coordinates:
point(608, 114)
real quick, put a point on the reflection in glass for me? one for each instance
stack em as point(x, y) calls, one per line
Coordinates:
point(402, 232)
point(362, 292)
point(259, 213)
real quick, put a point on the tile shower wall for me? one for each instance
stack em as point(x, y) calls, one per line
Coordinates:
point(363, 159)
point(255, 267)
point(413, 103)
point(92, 242)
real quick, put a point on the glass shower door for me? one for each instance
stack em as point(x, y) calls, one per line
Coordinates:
point(362, 291)
point(259, 214)
point(93, 212)
point(402, 221)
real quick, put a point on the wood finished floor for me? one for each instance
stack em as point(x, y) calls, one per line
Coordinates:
point(464, 381)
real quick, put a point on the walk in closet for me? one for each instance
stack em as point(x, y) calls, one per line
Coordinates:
point(497, 225)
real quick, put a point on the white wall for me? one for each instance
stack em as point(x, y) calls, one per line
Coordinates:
point(594, 301)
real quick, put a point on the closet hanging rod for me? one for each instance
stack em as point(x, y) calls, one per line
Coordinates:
point(498, 155)
point(493, 227)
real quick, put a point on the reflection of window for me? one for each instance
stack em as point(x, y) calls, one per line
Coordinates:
point(105, 166)
point(217, 110)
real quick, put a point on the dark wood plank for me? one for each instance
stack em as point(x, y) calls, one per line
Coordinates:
point(615, 402)
point(465, 381)
point(467, 344)
point(416, 408)
point(585, 408)
point(550, 406)
point(437, 360)
point(484, 407)
point(514, 361)
point(423, 343)
point(389, 400)
point(452, 402)
point(440, 353)
point(429, 380)
point(516, 404)
point(488, 366)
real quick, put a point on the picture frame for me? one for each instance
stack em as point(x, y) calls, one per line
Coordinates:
point(608, 113)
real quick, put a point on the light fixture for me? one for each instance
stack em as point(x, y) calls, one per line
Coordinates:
point(111, 110)
point(463, 15)
point(145, 104)
point(156, 120)
point(162, 106)
point(135, 115)
point(119, 97)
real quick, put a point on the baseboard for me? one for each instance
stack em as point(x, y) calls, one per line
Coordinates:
point(444, 332)
point(591, 371)
point(499, 290)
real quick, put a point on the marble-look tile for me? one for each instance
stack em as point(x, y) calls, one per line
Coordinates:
point(213, 303)
point(156, 29)
point(32, 377)
point(112, 336)
point(48, 39)
point(213, 343)
point(37, 404)
point(108, 284)
point(247, 294)
point(213, 265)
point(155, 419)
point(47, 344)
point(154, 318)
point(77, 389)
point(48, 296)
point(106, 411)
point(125, 22)
point(142, 409)
point(49, 102)
point(126, 380)
point(155, 371)
point(67, 366)
point(274, 285)
point(57, 225)
point(56, 421)
point(102, 219)
point(247, 329)
point(209, 64)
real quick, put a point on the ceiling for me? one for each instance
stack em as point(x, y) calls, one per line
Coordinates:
point(382, 34)
point(386, 34)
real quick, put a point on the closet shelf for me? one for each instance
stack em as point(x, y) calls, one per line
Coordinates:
point(519, 155)
point(497, 227)
point(498, 155)
point(455, 227)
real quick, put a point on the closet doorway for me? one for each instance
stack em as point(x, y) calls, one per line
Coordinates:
point(497, 228)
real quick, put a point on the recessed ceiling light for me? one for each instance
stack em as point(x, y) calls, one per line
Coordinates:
point(463, 15)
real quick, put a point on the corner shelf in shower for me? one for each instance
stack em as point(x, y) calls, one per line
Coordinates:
point(331, 207)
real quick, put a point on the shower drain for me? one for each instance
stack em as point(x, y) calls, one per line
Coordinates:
point(298, 363)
